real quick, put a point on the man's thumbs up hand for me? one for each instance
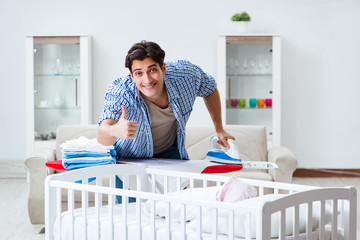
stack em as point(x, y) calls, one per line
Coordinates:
point(123, 114)
point(125, 129)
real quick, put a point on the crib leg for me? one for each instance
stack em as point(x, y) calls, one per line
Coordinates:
point(50, 213)
point(350, 216)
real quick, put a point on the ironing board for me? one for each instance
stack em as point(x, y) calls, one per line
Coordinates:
point(197, 166)
point(193, 166)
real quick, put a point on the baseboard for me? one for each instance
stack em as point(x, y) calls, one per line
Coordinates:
point(326, 173)
point(12, 169)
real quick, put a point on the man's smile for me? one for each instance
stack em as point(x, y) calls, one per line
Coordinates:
point(149, 86)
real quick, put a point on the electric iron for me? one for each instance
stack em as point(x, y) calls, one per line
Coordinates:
point(218, 153)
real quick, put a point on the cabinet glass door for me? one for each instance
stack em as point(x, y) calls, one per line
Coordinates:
point(249, 81)
point(249, 84)
point(56, 85)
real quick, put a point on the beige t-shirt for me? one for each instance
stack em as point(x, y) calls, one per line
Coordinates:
point(163, 126)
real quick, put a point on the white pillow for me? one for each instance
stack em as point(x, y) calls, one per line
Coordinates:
point(240, 218)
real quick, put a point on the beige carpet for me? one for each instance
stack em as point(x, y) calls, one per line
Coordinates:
point(14, 220)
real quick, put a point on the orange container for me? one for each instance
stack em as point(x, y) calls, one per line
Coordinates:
point(260, 103)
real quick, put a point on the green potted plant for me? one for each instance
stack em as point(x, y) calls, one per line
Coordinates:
point(241, 20)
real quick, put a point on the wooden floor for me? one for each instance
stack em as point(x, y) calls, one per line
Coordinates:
point(14, 220)
point(12, 169)
point(15, 223)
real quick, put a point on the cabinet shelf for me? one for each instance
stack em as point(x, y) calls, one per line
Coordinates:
point(249, 75)
point(57, 75)
point(248, 108)
point(56, 108)
point(39, 140)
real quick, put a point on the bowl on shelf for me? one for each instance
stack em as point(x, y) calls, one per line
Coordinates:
point(43, 104)
point(53, 135)
point(44, 136)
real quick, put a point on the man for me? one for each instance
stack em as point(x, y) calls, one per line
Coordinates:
point(146, 112)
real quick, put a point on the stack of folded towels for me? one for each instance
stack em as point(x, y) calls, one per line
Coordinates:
point(83, 152)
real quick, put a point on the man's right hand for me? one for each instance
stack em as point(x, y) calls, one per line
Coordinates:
point(124, 129)
point(109, 129)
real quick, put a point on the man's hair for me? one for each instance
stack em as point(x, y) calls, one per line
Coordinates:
point(142, 50)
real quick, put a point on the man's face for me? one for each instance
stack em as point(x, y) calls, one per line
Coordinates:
point(148, 77)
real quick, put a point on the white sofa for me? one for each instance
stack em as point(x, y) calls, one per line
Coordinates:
point(251, 142)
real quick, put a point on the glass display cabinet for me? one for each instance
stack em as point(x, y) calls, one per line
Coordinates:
point(58, 79)
point(249, 81)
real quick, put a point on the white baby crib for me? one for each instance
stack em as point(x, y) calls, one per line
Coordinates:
point(162, 211)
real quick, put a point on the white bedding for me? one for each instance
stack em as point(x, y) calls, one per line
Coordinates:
point(146, 231)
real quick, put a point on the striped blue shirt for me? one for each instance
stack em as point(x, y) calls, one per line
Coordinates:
point(184, 82)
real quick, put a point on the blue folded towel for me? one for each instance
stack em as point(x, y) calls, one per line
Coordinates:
point(76, 163)
point(76, 154)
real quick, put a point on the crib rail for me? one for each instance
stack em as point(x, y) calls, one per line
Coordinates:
point(53, 198)
point(140, 196)
point(342, 200)
point(152, 189)
point(334, 195)
point(206, 178)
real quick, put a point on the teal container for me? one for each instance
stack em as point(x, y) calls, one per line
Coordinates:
point(253, 102)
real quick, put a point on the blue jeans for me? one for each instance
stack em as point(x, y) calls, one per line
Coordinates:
point(119, 184)
point(169, 153)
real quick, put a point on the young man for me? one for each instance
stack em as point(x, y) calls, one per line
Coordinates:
point(146, 112)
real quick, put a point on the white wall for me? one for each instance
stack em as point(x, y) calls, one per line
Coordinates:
point(320, 59)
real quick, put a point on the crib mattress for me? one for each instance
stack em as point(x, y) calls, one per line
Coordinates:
point(132, 227)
